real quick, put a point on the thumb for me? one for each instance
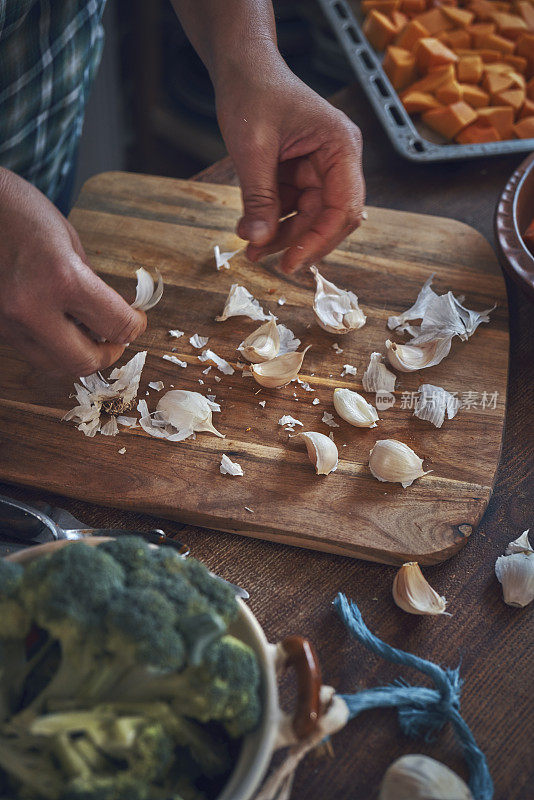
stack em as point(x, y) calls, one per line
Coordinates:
point(258, 175)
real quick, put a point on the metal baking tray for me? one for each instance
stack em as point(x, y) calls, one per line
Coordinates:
point(412, 140)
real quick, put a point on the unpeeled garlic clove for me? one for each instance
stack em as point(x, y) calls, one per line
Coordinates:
point(336, 310)
point(411, 357)
point(322, 452)
point(413, 593)
point(263, 344)
point(280, 370)
point(516, 574)
point(394, 462)
point(355, 409)
point(417, 777)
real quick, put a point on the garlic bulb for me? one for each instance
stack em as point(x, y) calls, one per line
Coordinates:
point(413, 593)
point(146, 294)
point(411, 357)
point(377, 377)
point(240, 303)
point(394, 462)
point(280, 370)
point(263, 344)
point(520, 545)
point(354, 408)
point(417, 777)
point(336, 310)
point(516, 574)
point(322, 452)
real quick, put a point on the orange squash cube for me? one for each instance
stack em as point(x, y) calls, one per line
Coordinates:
point(417, 102)
point(460, 17)
point(449, 93)
point(524, 129)
point(525, 45)
point(495, 82)
point(479, 29)
point(469, 69)
point(509, 25)
point(474, 95)
point(399, 66)
point(435, 78)
point(484, 9)
point(431, 53)
point(399, 20)
point(493, 41)
point(477, 133)
point(530, 89)
point(527, 109)
point(435, 21)
point(384, 6)
point(526, 11)
point(410, 34)
point(450, 120)
point(379, 30)
point(501, 117)
point(413, 6)
point(487, 56)
point(455, 39)
point(511, 97)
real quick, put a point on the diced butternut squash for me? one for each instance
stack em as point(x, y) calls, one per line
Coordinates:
point(494, 82)
point(524, 129)
point(399, 20)
point(449, 93)
point(477, 133)
point(431, 53)
point(501, 117)
point(511, 97)
point(435, 78)
point(509, 25)
point(517, 80)
point(469, 69)
point(526, 11)
point(455, 39)
point(528, 109)
point(418, 102)
point(450, 120)
point(525, 45)
point(460, 17)
point(474, 95)
point(487, 56)
point(413, 6)
point(384, 6)
point(485, 9)
point(493, 41)
point(478, 30)
point(517, 62)
point(399, 66)
point(379, 29)
point(411, 34)
point(435, 21)
point(530, 89)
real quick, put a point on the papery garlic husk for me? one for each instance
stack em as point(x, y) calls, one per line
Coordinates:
point(409, 357)
point(392, 461)
point(240, 303)
point(377, 377)
point(417, 311)
point(433, 402)
point(280, 370)
point(146, 294)
point(336, 310)
point(355, 409)
point(322, 452)
point(263, 344)
point(288, 341)
point(413, 593)
point(229, 467)
point(178, 415)
point(417, 777)
point(516, 574)
point(520, 545)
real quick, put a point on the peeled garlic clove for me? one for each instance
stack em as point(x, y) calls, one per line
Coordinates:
point(520, 545)
point(394, 462)
point(413, 593)
point(322, 452)
point(354, 408)
point(280, 370)
point(516, 574)
point(263, 344)
point(411, 357)
point(336, 310)
point(417, 777)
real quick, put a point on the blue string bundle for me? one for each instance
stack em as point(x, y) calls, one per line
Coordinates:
point(421, 711)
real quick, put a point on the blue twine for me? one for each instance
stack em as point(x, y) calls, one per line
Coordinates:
point(421, 711)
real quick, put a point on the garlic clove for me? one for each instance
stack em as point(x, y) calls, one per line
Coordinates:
point(392, 461)
point(377, 377)
point(355, 409)
point(411, 357)
point(280, 370)
point(263, 344)
point(336, 310)
point(516, 574)
point(520, 545)
point(413, 593)
point(322, 452)
point(417, 777)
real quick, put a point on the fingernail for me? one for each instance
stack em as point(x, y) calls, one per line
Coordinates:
point(258, 231)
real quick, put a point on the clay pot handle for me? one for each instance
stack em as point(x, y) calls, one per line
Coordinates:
point(301, 656)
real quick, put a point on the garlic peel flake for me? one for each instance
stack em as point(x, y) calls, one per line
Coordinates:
point(433, 402)
point(355, 409)
point(336, 310)
point(413, 593)
point(222, 259)
point(377, 377)
point(322, 451)
point(229, 467)
point(240, 303)
point(392, 461)
point(287, 419)
point(198, 341)
point(147, 295)
point(222, 365)
point(288, 341)
point(520, 545)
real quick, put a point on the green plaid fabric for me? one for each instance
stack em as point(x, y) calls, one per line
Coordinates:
point(49, 54)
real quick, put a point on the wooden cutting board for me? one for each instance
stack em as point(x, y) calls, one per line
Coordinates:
point(126, 221)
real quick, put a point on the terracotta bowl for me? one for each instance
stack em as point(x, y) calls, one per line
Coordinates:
point(514, 213)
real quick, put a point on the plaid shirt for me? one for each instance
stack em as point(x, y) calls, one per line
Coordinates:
point(49, 54)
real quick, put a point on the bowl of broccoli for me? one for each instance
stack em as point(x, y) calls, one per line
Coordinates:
point(129, 673)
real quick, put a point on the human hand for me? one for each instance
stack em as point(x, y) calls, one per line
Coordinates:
point(46, 284)
point(293, 152)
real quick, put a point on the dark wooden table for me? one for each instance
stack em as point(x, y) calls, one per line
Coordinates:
point(292, 590)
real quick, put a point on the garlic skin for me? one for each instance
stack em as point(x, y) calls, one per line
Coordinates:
point(412, 592)
point(240, 303)
point(263, 344)
point(411, 357)
point(322, 451)
point(336, 310)
point(278, 371)
point(229, 467)
point(392, 461)
point(417, 311)
point(355, 409)
point(519, 545)
point(516, 574)
point(146, 294)
point(178, 415)
point(377, 377)
point(417, 777)
point(433, 402)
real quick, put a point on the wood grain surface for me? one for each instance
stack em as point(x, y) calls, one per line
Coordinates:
point(127, 220)
point(292, 589)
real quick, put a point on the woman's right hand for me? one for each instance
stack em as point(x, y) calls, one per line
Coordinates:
point(46, 284)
